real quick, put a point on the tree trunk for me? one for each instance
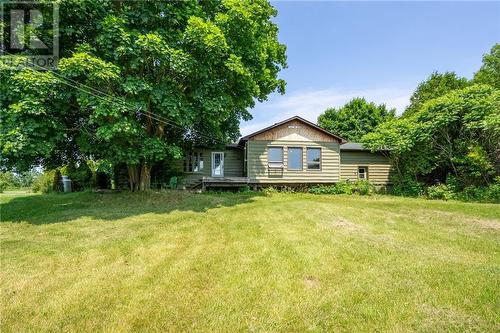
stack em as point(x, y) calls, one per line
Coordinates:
point(145, 179)
point(133, 175)
point(139, 177)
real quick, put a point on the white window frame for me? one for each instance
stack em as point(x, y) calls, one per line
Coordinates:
point(213, 162)
point(365, 172)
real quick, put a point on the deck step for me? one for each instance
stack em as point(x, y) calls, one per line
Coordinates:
point(195, 185)
point(191, 183)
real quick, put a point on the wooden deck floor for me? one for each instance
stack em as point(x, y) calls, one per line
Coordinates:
point(224, 181)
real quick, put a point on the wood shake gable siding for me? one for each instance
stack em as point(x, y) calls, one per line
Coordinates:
point(258, 170)
point(379, 167)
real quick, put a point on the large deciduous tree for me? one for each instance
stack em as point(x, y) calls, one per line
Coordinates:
point(489, 73)
point(450, 132)
point(355, 119)
point(174, 73)
point(436, 85)
point(457, 134)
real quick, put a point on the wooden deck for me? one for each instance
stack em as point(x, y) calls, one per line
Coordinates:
point(224, 182)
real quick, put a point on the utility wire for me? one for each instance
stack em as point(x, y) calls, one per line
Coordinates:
point(94, 92)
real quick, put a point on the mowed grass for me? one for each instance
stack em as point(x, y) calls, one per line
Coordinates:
point(245, 262)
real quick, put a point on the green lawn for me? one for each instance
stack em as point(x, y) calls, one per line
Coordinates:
point(247, 262)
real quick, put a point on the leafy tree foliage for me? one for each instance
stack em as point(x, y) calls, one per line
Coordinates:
point(437, 85)
point(456, 134)
point(489, 73)
point(355, 119)
point(8, 180)
point(11, 180)
point(449, 134)
point(199, 64)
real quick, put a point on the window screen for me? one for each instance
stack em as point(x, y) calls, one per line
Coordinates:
point(275, 154)
point(314, 158)
point(275, 157)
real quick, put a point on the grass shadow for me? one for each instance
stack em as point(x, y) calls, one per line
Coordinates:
point(57, 208)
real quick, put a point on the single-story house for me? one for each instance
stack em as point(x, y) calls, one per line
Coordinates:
point(292, 152)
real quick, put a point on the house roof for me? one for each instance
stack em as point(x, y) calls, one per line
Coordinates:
point(307, 122)
point(353, 146)
point(356, 146)
point(234, 145)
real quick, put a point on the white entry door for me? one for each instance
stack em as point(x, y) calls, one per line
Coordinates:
point(217, 164)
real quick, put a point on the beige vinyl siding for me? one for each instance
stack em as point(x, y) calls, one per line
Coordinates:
point(233, 165)
point(379, 168)
point(258, 163)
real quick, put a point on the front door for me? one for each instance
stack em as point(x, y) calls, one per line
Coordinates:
point(217, 164)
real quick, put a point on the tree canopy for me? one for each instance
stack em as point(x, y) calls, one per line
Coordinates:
point(456, 134)
point(436, 85)
point(489, 73)
point(141, 81)
point(449, 133)
point(355, 119)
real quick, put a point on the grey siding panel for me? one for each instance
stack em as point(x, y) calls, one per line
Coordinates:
point(233, 163)
point(379, 168)
point(258, 168)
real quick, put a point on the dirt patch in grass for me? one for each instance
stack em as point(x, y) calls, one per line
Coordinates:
point(450, 319)
point(451, 217)
point(343, 223)
point(311, 282)
point(488, 224)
